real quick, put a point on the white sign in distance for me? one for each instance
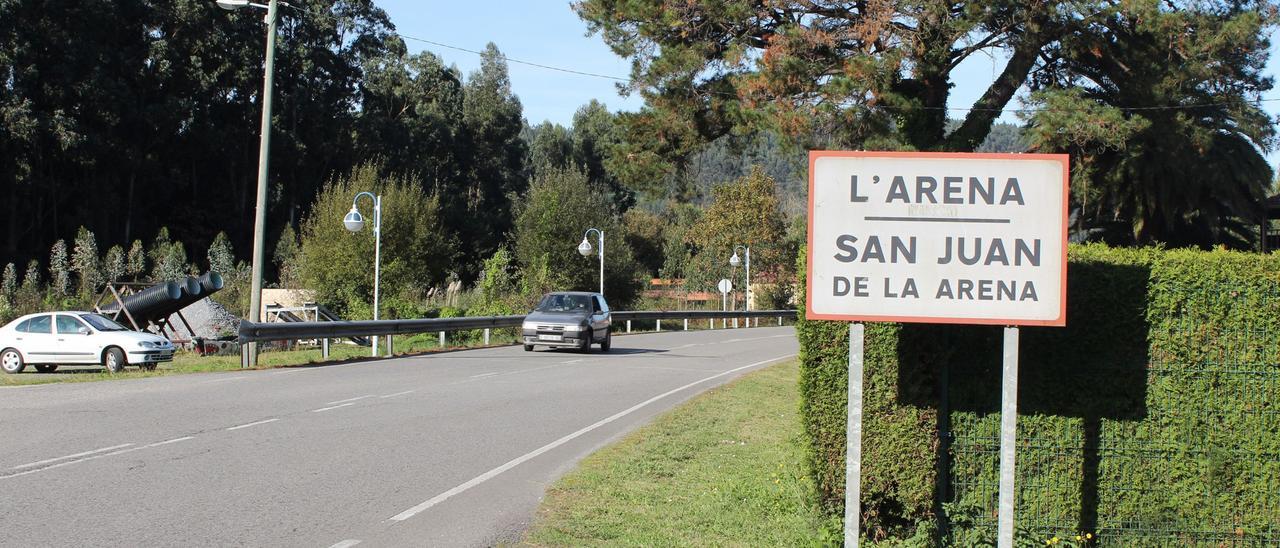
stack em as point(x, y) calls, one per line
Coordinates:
point(725, 285)
point(938, 237)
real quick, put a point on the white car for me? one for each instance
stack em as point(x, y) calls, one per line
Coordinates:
point(49, 339)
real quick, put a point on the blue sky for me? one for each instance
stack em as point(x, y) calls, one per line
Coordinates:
point(547, 32)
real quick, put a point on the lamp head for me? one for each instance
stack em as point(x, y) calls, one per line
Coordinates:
point(734, 260)
point(232, 5)
point(584, 248)
point(354, 221)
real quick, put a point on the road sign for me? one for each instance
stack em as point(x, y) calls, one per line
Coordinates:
point(938, 237)
point(725, 285)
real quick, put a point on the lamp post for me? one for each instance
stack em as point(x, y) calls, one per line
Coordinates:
point(354, 221)
point(264, 147)
point(585, 249)
point(734, 261)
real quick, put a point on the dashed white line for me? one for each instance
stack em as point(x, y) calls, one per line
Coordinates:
point(252, 424)
point(238, 377)
point(398, 394)
point(346, 544)
point(482, 375)
point(572, 361)
point(357, 398)
point(56, 459)
point(331, 407)
point(566, 439)
point(97, 456)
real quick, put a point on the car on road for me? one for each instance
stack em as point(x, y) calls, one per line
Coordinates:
point(575, 319)
point(49, 339)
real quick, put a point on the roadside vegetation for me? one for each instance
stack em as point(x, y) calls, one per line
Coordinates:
point(725, 469)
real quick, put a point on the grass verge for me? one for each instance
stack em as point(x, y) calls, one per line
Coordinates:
point(725, 469)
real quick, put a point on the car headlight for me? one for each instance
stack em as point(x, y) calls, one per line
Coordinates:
point(146, 344)
point(528, 325)
point(573, 328)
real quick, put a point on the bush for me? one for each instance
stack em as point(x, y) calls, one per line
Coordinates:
point(1149, 419)
point(338, 265)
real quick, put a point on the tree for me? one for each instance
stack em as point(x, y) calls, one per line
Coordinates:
point(168, 258)
point(28, 299)
point(416, 250)
point(491, 114)
point(136, 263)
point(1184, 167)
point(113, 265)
point(59, 274)
point(643, 232)
point(743, 212)
point(877, 74)
point(85, 262)
point(560, 205)
point(286, 257)
point(222, 258)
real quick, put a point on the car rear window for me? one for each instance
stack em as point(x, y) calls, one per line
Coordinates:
point(38, 324)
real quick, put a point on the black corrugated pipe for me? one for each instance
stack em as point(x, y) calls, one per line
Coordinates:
point(210, 282)
point(148, 304)
point(194, 289)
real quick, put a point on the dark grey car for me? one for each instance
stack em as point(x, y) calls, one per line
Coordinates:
point(575, 319)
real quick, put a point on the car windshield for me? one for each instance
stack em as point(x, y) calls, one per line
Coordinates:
point(565, 303)
point(102, 323)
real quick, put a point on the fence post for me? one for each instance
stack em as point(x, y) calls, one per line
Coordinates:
point(486, 336)
point(628, 326)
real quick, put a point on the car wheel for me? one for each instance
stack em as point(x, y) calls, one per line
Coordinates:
point(47, 368)
point(608, 341)
point(114, 359)
point(528, 348)
point(585, 345)
point(11, 361)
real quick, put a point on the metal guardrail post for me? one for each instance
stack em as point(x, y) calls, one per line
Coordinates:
point(390, 352)
point(324, 348)
point(779, 321)
point(486, 334)
point(659, 326)
point(442, 339)
point(686, 324)
point(628, 326)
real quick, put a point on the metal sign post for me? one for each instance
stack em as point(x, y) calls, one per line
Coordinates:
point(853, 440)
point(1008, 435)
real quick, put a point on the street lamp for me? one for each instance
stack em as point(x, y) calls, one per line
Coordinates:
point(264, 146)
point(354, 221)
point(585, 249)
point(734, 261)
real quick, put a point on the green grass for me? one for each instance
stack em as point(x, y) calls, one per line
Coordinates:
point(189, 362)
point(725, 469)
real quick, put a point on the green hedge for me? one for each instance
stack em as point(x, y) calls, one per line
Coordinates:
point(1153, 417)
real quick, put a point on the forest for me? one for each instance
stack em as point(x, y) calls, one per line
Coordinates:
point(129, 132)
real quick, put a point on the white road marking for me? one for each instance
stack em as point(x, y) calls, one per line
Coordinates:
point(346, 544)
point(98, 456)
point(224, 379)
point(684, 346)
point(566, 439)
point(482, 375)
point(357, 398)
point(333, 407)
point(56, 459)
point(398, 394)
point(573, 361)
point(252, 424)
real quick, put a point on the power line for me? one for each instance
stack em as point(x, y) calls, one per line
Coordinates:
point(631, 82)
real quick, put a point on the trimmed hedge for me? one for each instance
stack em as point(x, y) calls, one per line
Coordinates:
point(1153, 417)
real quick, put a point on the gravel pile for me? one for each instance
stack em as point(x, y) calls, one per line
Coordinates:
point(208, 319)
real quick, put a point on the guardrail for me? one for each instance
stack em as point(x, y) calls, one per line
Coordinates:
point(258, 332)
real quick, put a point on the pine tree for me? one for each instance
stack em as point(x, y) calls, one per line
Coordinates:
point(59, 275)
point(29, 292)
point(136, 263)
point(113, 266)
point(221, 257)
point(85, 261)
point(9, 283)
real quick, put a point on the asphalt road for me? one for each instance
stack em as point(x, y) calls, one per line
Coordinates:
point(451, 449)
